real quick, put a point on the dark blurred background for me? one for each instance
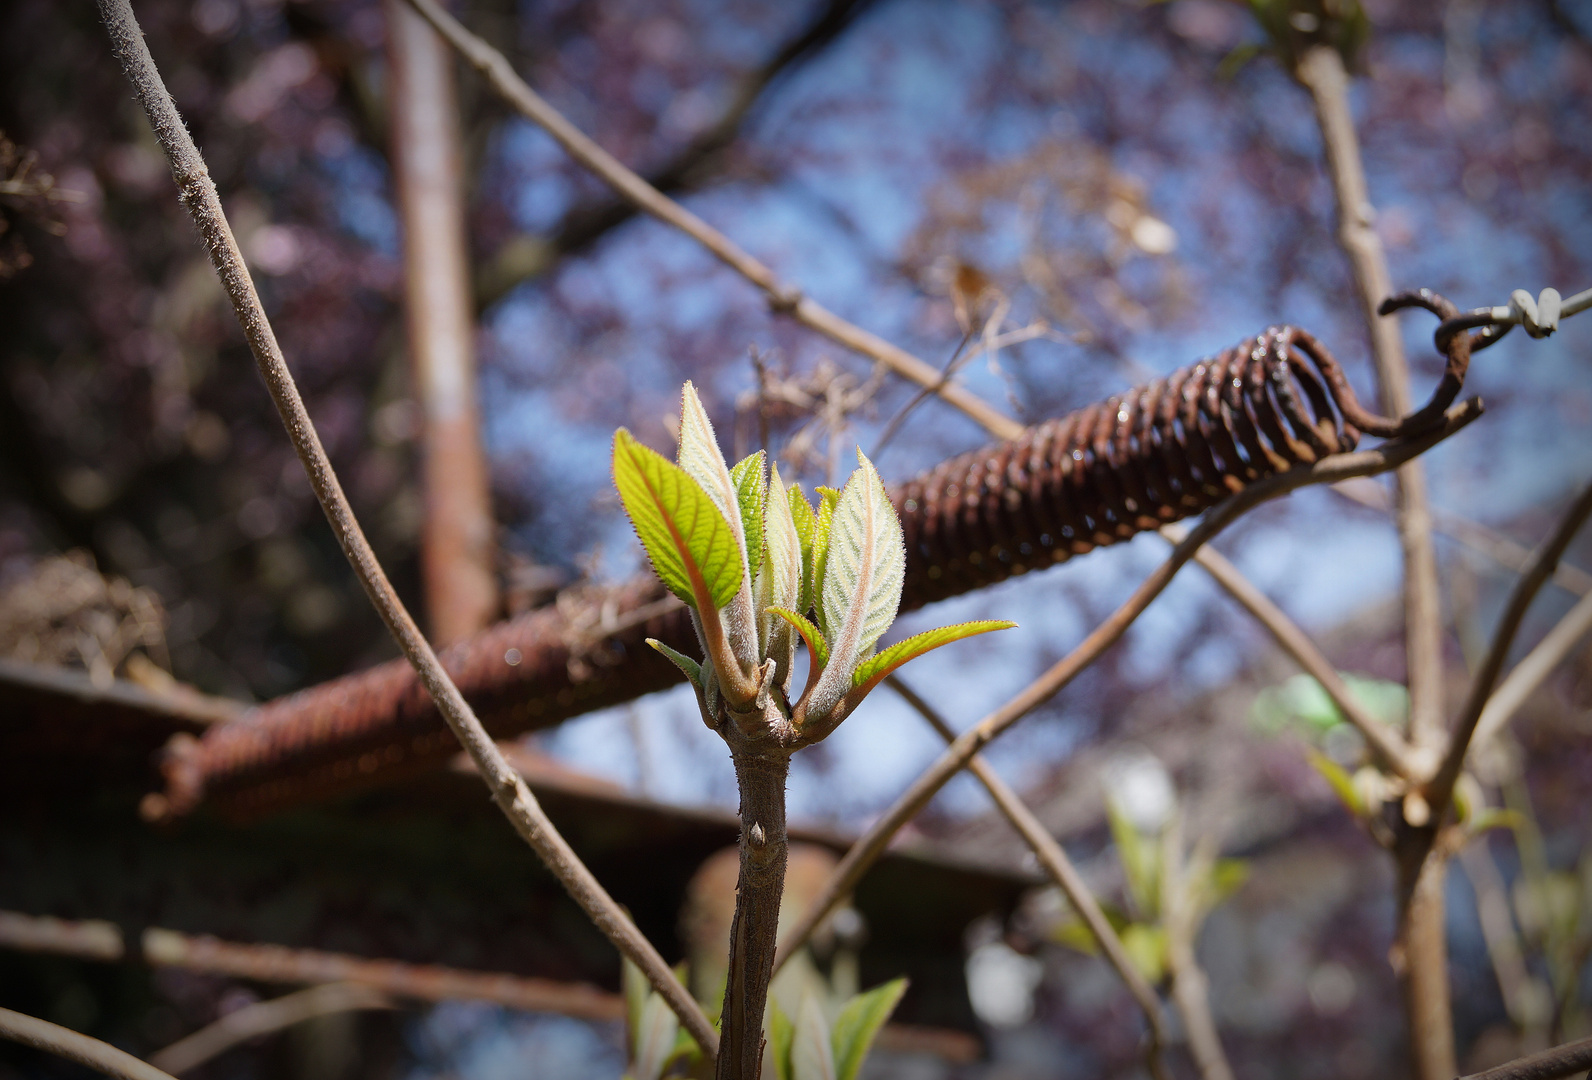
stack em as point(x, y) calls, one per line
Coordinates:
point(1117, 188)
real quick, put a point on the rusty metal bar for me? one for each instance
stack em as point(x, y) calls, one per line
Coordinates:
point(1141, 459)
point(457, 541)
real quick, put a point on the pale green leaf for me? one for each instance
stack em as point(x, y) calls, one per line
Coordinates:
point(811, 1055)
point(822, 524)
point(688, 666)
point(863, 571)
point(1146, 947)
point(1496, 818)
point(751, 492)
point(655, 1038)
point(806, 523)
point(701, 458)
point(780, 583)
point(1141, 864)
point(1341, 782)
point(858, 1025)
point(636, 989)
point(809, 633)
point(781, 1033)
point(876, 667)
point(688, 540)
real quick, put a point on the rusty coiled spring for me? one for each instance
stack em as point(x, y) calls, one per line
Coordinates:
point(1136, 461)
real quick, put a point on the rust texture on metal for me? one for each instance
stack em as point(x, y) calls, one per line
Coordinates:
point(1141, 459)
point(457, 560)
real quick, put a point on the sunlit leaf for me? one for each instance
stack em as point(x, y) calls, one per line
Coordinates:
point(751, 492)
point(701, 458)
point(781, 1032)
point(690, 667)
point(809, 633)
point(822, 524)
point(655, 1039)
point(859, 1023)
point(779, 585)
point(686, 537)
point(876, 667)
point(1146, 947)
point(811, 1055)
point(1341, 782)
point(1141, 863)
point(806, 523)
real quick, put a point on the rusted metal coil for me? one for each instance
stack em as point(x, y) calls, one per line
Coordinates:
point(1139, 460)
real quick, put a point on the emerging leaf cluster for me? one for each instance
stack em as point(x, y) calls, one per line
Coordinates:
point(759, 566)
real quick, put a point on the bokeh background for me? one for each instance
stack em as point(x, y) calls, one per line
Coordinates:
point(1118, 188)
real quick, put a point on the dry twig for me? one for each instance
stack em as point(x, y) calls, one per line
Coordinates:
point(198, 193)
point(265, 1018)
point(54, 1039)
point(1566, 1060)
point(1054, 859)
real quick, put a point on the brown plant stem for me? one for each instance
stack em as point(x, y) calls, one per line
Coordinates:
point(1181, 919)
point(265, 1018)
point(1053, 858)
point(1320, 69)
point(783, 298)
point(1382, 739)
point(198, 193)
point(1328, 470)
point(1525, 999)
point(1525, 591)
point(54, 1039)
point(456, 533)
point(1566, 1060)
point(1530, 673)
point(754, 931)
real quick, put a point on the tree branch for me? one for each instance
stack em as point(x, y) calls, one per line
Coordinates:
point(1566, 1060)
point(524, 257)
point(54, 1039)
point(265, 1018)
point(1328, 470)
point(1386, 742)
point(783, 298)
point(1321, 72)
point(1180, 917)
point(1530, 673)
point(198, 193)
point(1536, 575)
point(1053, 857)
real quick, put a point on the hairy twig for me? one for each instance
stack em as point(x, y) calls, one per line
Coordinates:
point(1525, 591)
point(1296, 643)
point(783, 298)
point(1566, 1060)
point(198, 193)
point(265, 1018)
point(1054, 859)
point(54, 1039)
point(1321, 71)
point(1329, 470)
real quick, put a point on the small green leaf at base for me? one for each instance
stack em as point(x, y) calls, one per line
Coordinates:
point(812, 1055)
point(781, 1033)
point(815, 640)
point(751, 492)
point(858, 1025)
point(688, 540)
point(690, 667)
point(876, 667)
point(1341, 782)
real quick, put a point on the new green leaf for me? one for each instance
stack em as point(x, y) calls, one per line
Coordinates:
point(690, 667)
point(809, 633)
point(823, 521)
point(875, 668)
point(751, 492)
point(781, 1032)
point(779, 584)
point(688, 540)
point(806, 522)
point(701, 458)
point(811, 1055)
point(858, 1025)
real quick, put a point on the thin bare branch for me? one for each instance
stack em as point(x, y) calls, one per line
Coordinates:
point(1180, 917)
point(783, 298)
point(1501, 549)
point(1525, 1000)
point(1526, 589)
point(1321, 71)
point(265, 1018)
point(1328, 470)
point(198, 193)
point(1386, 742)
point(1054, 859)
point(54, 1039)
point(1566, 1060)
point(1532, 671)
